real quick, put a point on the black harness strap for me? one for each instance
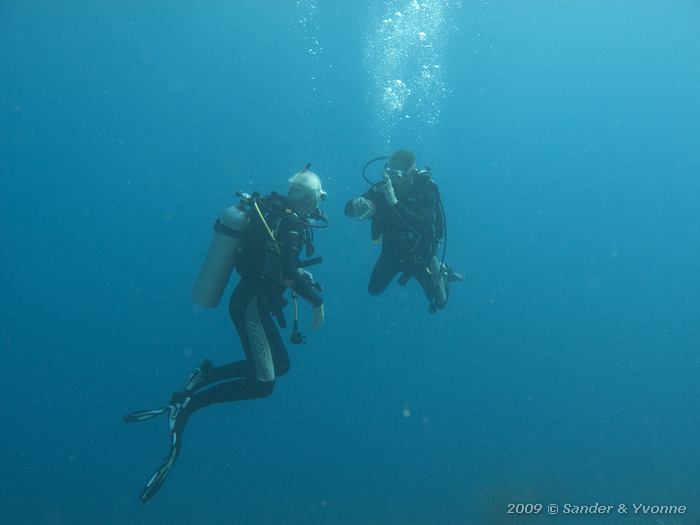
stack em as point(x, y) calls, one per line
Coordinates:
point(221, 227)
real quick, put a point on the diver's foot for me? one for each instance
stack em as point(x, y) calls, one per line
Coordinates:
point(198, 375)
point(179, 402)
point(143, 415)
point(435, 308)
point(450, 275)
point(454, 276)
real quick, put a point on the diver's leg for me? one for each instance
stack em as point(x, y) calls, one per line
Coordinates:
point(237, 307)
point(233, 382)
point(207, 374)
point(384, 271)
point(182, 405)
point(241, 389)
point(432, 281)
point(203, 376)
point(236, 381)
point(280, 357)
point(254, 377)
point(266, 356)
point(250, 314)
point(198, 380)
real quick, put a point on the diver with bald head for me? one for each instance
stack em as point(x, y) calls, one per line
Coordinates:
point(263, 238)
point(408, 219)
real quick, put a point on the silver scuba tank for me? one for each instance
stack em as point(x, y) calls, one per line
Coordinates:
point(224, 250)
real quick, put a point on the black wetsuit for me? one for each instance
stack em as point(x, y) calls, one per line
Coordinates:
point(409, 232)
point(267, 268)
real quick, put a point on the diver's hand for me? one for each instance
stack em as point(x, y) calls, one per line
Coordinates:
point(308, 278)
point(387, 188)
point(305, 275)
point(361, 208)
point(319, 317)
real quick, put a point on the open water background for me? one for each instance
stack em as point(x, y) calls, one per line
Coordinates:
point(565, 137)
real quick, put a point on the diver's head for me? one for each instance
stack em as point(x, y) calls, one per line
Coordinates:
point(402, 160)
point(305, 192)
point(401, 167)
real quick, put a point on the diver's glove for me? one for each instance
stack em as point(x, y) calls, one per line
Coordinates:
point(387, 188)
point(319, 316)
point(361, 207)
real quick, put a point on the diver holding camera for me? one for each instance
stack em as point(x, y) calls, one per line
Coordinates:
point(407, 217)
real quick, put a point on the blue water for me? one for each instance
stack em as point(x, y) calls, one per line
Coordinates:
point(565, 137)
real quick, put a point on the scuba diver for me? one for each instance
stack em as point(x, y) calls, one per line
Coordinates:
point(262, 238)
point(408, 219)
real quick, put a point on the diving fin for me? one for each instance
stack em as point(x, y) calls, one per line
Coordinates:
point(156, 482)
point(143, 415)
point(176, 428)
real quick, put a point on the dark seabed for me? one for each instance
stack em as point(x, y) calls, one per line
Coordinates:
point(565, 137)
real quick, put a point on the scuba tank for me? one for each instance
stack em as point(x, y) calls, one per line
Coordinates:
point(229, 232)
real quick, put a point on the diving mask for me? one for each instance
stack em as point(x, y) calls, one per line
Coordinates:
point(394, 174)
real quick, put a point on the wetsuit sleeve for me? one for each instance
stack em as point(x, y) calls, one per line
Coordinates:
point(421, 220)
point(291, 243)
